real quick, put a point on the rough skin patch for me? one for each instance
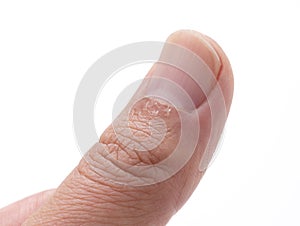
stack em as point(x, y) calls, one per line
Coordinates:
point(146, 133)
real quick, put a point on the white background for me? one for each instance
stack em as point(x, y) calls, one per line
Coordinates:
point(45, 49)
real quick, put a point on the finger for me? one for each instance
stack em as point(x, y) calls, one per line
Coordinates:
point(18, 212)
point(149, 161)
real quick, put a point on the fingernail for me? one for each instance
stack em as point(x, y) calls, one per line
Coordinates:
point(186, 72)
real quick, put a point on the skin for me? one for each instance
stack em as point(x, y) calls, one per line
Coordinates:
point(87, 197)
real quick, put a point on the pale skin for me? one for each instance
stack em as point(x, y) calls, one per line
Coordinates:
point(87, 198)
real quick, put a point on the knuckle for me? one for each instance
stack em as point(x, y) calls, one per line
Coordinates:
point(144, 137)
